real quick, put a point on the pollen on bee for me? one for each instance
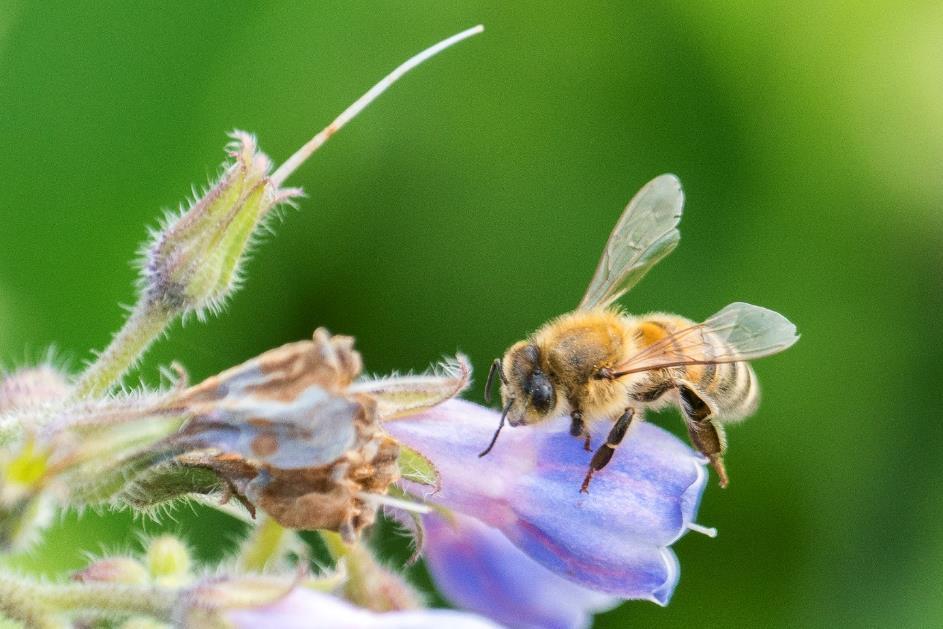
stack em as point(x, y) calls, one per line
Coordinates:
point(649, 332)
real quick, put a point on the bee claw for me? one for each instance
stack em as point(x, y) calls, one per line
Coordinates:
point(584, 488)
point(717, 462)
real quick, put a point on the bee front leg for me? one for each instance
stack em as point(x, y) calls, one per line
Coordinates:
point(578, 428)
point(705, 435)
point(604, 453)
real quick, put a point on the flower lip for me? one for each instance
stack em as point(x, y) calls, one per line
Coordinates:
point(302, 607)
point(613, 540)
point(477, 568)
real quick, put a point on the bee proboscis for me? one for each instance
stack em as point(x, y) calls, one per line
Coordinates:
point(598, 362)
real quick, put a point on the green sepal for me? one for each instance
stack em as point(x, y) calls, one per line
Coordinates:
point(416, 468)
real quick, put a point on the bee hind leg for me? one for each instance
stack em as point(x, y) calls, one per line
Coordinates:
point(705, 435)
point(604, 454)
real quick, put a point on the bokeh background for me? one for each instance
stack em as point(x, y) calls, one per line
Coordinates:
point(470, 204)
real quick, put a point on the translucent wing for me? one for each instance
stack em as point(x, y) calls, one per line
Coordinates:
point(738, 332)
point(646, 233)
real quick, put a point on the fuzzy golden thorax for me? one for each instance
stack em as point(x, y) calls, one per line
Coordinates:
point(555, 371)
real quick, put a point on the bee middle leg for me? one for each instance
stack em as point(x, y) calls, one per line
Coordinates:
point(705, 434)
point(604, 454)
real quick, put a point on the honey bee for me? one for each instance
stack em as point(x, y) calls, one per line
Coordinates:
point(599, 362)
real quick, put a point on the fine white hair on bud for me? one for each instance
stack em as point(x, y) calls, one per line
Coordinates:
point(193, 262)
point(32, 386)
point(293, 437)
point(404, 395)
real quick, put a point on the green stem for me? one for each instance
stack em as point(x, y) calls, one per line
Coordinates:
point(334, 544)
point(265, 546)
point(36, 603)
point(357, 584)
point(369, 584)
point(18, 603)
point(109, 598)
point(352, 558)
point(147, 322)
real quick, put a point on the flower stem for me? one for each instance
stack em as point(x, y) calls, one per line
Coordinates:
point(369, 584)
point(147, 322)
point(110, 598)
point(18, 603)
point(351, 559)
point(35, 603)
point(264, 547)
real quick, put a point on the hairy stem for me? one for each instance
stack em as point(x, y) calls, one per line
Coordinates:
point(265, 546)
point(147, 322)
point(109, 598)
point(18, 603)
point(35, 604)
point(351, 558)
point(369, 584)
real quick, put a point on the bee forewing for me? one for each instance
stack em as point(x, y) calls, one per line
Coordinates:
point(646, 233)
point(752, 331)
point(739, 332)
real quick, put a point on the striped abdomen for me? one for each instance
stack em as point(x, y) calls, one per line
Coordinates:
point(730, 389)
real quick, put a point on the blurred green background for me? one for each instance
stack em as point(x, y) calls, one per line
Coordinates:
point(470, 204)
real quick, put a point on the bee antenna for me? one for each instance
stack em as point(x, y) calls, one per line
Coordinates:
point(489, 383)
point(497, 432)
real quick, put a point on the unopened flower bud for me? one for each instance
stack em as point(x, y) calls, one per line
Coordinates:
point(32, 386)
point(168, 560)
point(192, 263)
point(143, 622)
point(121, 570)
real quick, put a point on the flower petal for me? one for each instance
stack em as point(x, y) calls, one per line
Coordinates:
point(303, 608)
point(614, 539)
point(477, 568)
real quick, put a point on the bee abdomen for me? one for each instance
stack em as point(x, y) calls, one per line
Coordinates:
point(729, 388)
point(732, 387)
point(652, 390)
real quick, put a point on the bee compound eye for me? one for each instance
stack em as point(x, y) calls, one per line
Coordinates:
point(541, 392)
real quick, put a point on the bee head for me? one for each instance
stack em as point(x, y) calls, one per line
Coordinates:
point(528, 384)
point(527, 392)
